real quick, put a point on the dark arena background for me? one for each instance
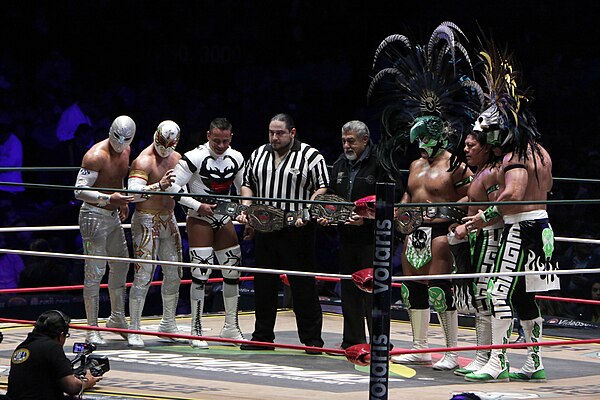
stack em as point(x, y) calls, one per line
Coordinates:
point(68, 68)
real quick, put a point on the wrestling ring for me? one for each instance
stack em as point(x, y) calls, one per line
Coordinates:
point(163, 369)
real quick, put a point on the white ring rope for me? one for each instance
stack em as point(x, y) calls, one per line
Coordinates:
point(168, 263)
point(183, 224)
point(290, 272)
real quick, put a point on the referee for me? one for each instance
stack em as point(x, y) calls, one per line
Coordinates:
point(287, 169)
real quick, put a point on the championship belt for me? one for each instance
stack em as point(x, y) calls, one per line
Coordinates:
point(229, 208)
point(454, 214)
point(409, 219)
point(292, 216)
point(265, 218)
point(332, 212)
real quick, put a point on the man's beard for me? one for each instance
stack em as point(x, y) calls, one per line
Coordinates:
point(350, 155)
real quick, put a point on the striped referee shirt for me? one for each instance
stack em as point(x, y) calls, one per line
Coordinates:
point(301, 172)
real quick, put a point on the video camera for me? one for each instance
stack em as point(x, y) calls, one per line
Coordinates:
point(97, 365)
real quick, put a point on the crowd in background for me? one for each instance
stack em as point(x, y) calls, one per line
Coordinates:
point(54, 106)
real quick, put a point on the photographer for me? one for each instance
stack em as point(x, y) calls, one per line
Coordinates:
point(39, 368)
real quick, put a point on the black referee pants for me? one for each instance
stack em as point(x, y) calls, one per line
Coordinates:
point(292, 249)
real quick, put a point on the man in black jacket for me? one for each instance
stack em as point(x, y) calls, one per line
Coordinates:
point(354, 176)
point(39, 368)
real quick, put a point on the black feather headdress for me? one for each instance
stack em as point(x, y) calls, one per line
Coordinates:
point(507, 120)
point(427, 89)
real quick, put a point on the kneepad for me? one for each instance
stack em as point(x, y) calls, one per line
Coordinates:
point(414, 295)
point(440, 295)
point(230, 256)
point(201, 255)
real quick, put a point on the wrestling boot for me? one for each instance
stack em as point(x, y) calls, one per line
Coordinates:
point(231, 292)
point(231, 328)
point(167, 323)
point(91, 310)
point(483, 333)
point(496, 369)
point(117, 310)
point(135, 314)
point(419, 322)
point(197, 302)
point(533, 369)
point(449, 322)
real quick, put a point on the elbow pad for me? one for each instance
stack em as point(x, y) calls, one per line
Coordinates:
point(86, 179)
point(137, 181)
point(185, 201)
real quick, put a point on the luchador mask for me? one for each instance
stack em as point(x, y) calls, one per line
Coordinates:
point(429, 130)
point(166, 138)
point(121, 133)
point(492, 124)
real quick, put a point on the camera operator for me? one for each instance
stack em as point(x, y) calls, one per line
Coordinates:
point(39, 368)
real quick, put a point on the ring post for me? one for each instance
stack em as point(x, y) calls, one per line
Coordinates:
point(382, 285)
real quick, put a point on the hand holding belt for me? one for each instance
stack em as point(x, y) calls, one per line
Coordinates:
point(454, 214)
point(229, 208)
point(292, 216)
point(262, 217)
point(334, 213)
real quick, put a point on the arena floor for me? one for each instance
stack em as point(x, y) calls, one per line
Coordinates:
point(165, 370)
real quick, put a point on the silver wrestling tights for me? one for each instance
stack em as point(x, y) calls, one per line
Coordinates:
point(155, 237)
point(103, 235)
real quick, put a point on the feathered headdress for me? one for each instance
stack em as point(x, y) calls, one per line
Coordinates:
point(430, 91)
point(507, 120)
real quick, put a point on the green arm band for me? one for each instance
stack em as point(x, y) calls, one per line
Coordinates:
point(492, 188)
point(464, 182)
point(490, 213)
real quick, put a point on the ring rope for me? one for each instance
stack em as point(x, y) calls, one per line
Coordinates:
point(61, 228)
point(495, 346)
point(104, 286)
point(44, 289)
point(181, 336)
point(291, 272)
point(274, 199)
point(321, 349)
point(183, 225)
point(34, 169)
point(169, 263)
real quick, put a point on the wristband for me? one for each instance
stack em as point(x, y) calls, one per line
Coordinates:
point(155, 187)
point(490, 213)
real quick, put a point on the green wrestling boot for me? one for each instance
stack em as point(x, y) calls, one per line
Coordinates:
point(496, 369)
point(533, 369)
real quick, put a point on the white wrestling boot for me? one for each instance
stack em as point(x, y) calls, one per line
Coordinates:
point(91, 311)
point(449, 322)
point(483, 332)
point(231, 328)
point(496, 369)
point(533, 369)
point(197, 303)
point(117, 310)
point(419, 322)
point(167, 323)
point(117, 314)
point(135, 314)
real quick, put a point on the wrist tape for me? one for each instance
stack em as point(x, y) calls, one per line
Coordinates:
point(490, 213)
